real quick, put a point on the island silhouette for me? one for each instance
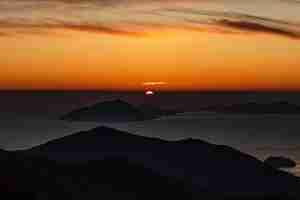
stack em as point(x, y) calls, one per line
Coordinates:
point(117, 111)
point(105, 162)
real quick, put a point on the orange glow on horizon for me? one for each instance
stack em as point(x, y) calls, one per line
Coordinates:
point(184, 59)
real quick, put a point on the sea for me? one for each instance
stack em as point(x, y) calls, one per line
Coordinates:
point(30, 118)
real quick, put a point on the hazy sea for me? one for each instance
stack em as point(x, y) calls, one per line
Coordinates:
point(31, 118)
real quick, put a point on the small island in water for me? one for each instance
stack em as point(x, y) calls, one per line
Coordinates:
point(117, 111)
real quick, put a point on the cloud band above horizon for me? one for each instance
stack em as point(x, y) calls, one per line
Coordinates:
point(140, 18)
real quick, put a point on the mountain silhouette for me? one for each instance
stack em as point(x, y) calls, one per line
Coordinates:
point(116, 111)
point(207, 167)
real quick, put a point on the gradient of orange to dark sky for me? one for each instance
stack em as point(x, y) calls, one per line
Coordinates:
point(119, 45)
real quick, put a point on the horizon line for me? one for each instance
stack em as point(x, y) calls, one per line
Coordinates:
point(158, 91)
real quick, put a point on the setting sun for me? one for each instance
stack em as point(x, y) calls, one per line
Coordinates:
point(149, 93)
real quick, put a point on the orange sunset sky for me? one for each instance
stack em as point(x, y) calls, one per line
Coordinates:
point(120, 45)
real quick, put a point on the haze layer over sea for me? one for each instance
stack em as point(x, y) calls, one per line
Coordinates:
point(31, 118)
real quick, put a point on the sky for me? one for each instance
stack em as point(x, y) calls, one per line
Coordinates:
point(150, 44)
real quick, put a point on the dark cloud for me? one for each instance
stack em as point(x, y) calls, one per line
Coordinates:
point(243, 22)
point(230, 15)
point(86, 27)
point(3, 34)
point(256, 27)
point(100, 29)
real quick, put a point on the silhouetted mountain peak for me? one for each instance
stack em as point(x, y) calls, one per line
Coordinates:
point(192, 141)
point(189, 158)
point(107, 111)
point(116, 111)
point(103, 129)
point(113, 106)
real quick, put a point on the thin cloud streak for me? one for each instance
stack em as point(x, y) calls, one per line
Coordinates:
point(92, 28)
point(3, 34)
point(256, 27)
point(133, 18)
point(154, 83)
point(243, 22)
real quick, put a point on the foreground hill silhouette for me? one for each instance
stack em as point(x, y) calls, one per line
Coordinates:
point(218, 170)
point(29, 177)
point(276, 107)
point(116, 111)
